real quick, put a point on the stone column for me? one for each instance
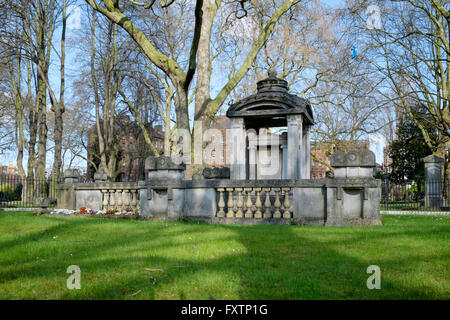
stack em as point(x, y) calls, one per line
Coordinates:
point(285, 155)
point(252, 158)
point(305, 169)
point(294, 142)
point(237, 145)
point(300, 149)
point(252, 162)
point(307, 153)
point(433, 181)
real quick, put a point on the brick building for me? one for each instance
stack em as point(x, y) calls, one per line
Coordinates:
point(132, 152)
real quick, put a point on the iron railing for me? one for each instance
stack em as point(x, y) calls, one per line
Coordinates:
point(18, 192)
point(420, 195)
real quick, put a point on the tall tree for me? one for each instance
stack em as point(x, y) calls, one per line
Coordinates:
point(406, 152)
point(199, 58)
point(410, 48)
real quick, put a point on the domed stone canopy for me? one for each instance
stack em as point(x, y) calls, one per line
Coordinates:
point(270, 105)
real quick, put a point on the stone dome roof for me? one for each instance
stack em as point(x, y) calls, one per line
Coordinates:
point(272, 101)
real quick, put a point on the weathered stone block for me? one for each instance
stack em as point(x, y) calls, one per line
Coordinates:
point(91, 199)
point(100, 177)
point(352, 203)
point(353, 159)
point(309, 205)
point(41, 202)
point(200, 203)
point(216, 173)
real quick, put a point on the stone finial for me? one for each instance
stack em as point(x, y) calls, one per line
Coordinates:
point(150, 163)
point(71, 175)
point(272, 73)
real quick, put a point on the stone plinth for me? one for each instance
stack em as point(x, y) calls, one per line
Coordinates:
point(66, 192)
point(355, 200)
point(162, 202)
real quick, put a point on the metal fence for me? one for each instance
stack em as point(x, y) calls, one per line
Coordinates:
point(18, 192)
point(420, 195)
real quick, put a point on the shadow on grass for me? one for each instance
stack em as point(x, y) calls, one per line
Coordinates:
point(148, 260)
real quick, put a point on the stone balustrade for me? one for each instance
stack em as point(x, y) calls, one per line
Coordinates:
point(120, 199)
point(351, 198)
point(254, 203)
point(104, 195)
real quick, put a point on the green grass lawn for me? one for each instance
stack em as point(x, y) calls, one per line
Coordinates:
point(124, 259)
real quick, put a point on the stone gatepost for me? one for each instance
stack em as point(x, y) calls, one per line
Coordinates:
point(66, 190)
point(163, 199)
point(433, 181)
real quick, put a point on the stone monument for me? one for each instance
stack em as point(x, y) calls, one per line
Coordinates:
point(272, 106)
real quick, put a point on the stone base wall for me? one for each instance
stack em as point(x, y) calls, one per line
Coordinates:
point(329, 202)
point(350, 199)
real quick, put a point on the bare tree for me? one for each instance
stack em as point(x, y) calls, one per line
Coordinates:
point(198, 61)
point(410, 49)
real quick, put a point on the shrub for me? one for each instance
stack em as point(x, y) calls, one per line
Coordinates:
point(6, 192)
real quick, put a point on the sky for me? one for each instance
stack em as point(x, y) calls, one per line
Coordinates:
point(74, 23)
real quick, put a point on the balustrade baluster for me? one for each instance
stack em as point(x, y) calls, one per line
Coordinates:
point(134, 201)
point(230, 203)
point(249, 204)
point(239, 203)
point(127, 199)
point(258, 203)
point(112, 199)
point(277, 204)
point(105, 199)
point(119, 200)
point(267, 204)
point(287, 204)
point(221, 203)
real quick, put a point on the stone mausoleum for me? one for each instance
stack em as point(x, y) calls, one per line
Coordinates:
point(268, 180)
